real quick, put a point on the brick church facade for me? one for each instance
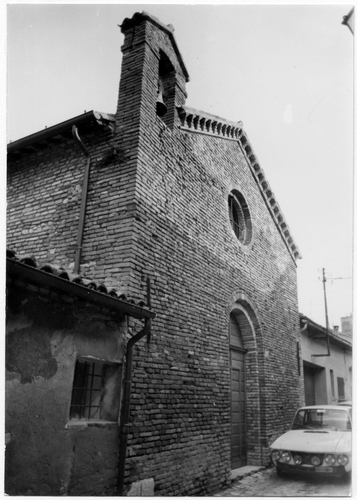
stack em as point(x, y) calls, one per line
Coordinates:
point(182, 200)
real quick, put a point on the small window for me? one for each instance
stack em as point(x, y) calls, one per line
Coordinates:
point(341, 389)
point(239, 217)
point(332, 382)
point(95, 394)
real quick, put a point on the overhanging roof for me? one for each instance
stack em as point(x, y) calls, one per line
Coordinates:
point(57, 133)
point(313, 327)
point(24, 272)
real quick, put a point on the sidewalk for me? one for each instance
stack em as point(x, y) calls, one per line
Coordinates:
point(247, 470)
point(264, 482)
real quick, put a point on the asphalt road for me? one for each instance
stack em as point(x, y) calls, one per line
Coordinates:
point(267, 483)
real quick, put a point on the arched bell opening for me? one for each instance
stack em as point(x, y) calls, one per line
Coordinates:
point(165, 102)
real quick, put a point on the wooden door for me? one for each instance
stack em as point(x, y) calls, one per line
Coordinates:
point(238, 419)
point(309, 384)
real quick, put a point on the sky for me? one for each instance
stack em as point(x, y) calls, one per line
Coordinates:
point(285, 71)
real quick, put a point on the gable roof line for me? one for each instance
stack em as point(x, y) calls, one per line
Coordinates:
point(268, 195)
point(195, 121)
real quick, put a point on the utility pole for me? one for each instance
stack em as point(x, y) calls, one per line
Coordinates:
point(326, 317)
point(325, 298)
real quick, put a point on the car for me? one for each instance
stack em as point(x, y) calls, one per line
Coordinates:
point(320, 441)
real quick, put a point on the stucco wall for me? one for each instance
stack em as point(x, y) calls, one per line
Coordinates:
point(339, 361)
point(46, 455)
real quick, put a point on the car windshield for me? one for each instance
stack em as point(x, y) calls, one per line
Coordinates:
point(322, 418)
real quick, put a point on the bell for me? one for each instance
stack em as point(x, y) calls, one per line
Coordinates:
point(161, 108)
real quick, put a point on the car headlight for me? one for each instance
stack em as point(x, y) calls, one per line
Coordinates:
point(330, 459)
point(298, 459)
point(275, 455)
point(342, 459)
point(285, 456)
point(315, 460)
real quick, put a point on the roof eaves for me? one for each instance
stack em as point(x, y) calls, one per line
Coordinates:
point(304, 320)
point(44, 135)
point(37, 276)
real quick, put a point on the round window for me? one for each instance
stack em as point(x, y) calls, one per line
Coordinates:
point(239, 217)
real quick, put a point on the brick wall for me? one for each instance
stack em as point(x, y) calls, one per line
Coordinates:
point(160, 209)
point(197, 267)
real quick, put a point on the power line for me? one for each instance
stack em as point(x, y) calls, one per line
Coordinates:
point(347, 278)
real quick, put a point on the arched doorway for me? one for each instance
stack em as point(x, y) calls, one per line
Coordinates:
point(238, 398)
point(246, 371)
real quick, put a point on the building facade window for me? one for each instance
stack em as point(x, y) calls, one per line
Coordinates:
point(95, 391)
point(239, 217)
point(341, 389)
point(332, 384)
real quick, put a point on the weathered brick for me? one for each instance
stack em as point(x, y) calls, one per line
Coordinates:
point(160, 210)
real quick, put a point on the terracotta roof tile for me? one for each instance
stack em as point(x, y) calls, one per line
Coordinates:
point(75, 278)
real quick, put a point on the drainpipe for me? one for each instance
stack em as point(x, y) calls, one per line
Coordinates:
point(77, 258)
point(305, 326)
point(298, 356)
point(125, 414)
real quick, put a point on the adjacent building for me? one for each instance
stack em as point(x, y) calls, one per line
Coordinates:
point(327, 360)
point(65, 343)
point(346, 328)
point(159, 193)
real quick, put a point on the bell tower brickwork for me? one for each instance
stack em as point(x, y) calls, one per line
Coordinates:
point(148, 51)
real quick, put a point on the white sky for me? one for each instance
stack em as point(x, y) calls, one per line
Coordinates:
point(285, 71)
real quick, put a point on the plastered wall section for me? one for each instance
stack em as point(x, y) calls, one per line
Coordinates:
point(339, 361)
point(45, 454)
